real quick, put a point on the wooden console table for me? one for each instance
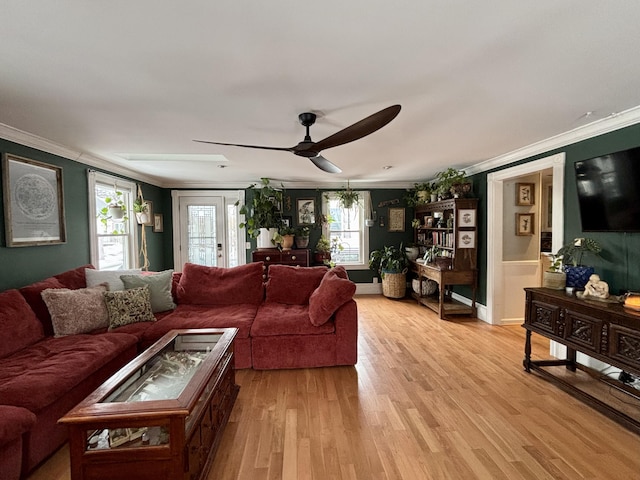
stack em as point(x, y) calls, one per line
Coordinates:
point(161, 417)
point(443, 304)
point(605, 331)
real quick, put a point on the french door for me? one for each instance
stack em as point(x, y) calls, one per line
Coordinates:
point(206, 231)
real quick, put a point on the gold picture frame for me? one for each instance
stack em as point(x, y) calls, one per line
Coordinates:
point(525, 194)
point(158, 223)
point(396, 219)
point(33, 202)
point(525, 224)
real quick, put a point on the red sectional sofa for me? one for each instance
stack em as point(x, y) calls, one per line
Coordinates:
point(298, 318)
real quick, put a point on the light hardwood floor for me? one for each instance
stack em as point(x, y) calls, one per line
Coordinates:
point(428, 399)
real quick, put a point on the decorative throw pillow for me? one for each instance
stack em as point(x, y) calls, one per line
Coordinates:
point(293, 285)
point(332, 293)
point(110, 277)
point(76, 311)
point(159, 288)
point(19, 324)
point(129, 306)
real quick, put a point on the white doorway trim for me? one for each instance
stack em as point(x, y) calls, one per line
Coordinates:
point(495, 213)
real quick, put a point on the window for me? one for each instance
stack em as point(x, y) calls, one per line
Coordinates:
point(347, 233)
point(113, 231)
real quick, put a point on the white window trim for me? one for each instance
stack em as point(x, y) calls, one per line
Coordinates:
point(364, 199)
point(94, 178)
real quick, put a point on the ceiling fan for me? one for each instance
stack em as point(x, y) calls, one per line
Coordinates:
point(311, 150)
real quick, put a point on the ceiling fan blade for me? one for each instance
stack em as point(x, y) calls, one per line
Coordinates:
point(285, 149)
point(359, 129)
point(324, 164)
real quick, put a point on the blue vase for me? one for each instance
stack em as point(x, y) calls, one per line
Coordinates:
point(578, 276)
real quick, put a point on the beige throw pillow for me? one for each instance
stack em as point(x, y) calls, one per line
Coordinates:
point(76, 311)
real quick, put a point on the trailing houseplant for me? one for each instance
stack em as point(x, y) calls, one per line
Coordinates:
point(347, 197)
point(115, 209)
point(446, 179)
point(263, 212)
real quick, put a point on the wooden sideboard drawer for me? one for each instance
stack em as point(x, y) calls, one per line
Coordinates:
point(273, 256)
point(624, 346)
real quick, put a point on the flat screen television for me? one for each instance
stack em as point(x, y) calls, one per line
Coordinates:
point(609, 192)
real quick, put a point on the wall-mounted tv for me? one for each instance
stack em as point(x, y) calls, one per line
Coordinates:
point(609, 192)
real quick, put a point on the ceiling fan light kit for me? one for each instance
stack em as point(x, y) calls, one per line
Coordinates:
point(311, 150)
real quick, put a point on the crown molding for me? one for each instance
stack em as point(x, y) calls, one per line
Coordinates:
point(609, 124)
point(27, 139)
point(613, 122)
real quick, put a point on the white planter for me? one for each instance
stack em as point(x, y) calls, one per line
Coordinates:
point(412, 252)
point(142, 218)
point(265, 237)
point(116, 213)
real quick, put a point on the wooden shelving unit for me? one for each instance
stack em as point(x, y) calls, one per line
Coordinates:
point(451, 225)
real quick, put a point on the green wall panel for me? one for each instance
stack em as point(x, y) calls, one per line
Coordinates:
point(621, 251)
point(20, 266)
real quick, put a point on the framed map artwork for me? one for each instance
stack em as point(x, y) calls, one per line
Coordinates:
point(33, 202)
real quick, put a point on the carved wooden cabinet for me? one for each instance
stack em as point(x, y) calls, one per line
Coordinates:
point(605, 331)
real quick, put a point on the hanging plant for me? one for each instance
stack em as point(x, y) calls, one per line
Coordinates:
point(348, 197)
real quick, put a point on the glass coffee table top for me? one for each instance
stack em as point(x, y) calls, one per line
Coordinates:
point(166, 374)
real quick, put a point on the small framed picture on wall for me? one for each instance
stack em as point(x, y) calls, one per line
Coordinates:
point(524, 223)
point(525, 193)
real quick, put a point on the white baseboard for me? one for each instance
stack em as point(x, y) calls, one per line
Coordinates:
point(368, 289)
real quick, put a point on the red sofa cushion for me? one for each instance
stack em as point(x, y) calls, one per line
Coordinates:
point(239, 316)
point(293, 285)
point(14, 421)
point(18, 322)
point(74, 279)
point(281, 319)
point(333, 292)
point(200, 285)
point(40, 374)
point(32, 294)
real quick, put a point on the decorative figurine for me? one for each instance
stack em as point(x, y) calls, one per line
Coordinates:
point(596, 288)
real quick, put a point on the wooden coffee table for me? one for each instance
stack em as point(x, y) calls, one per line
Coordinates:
point(162, 415)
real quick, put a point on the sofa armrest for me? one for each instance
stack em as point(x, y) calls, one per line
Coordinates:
point(346, 323)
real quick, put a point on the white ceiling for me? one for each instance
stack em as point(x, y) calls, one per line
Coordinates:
point(476, 80)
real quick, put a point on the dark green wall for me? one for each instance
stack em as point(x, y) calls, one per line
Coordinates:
point(378, 236)
point(20, 266)
point(621, 251)
point(24, 265)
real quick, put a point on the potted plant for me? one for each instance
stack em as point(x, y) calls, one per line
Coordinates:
point(262, 214)
point(285, 237)
point(302, 237)
point(323, 250)
point(347, 197)
point(555, 277)
point(446, 181)
point(419, 194)
point(391, 264)
point(573, 252)
point(141, 210)
point(115, 209)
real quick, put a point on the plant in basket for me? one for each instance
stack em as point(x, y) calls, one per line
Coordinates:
point(391, 264)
